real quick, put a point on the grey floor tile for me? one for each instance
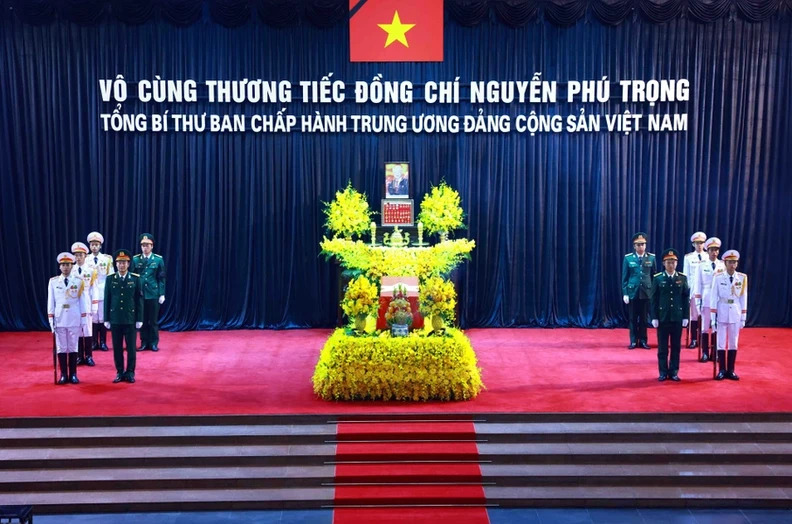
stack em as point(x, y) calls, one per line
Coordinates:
point(719, 516)
point(768, 516)
point(564, 516)
point(311, 516)
point(513, 516)
point(615, 516)
point(666, 516)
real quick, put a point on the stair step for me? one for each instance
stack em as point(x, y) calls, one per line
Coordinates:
point(425, 431)
point(450, 472)
point(649, 496)
point(55, 437)
point(165, 478)
point(169, 500)
point(409, 495)
point(406, 451)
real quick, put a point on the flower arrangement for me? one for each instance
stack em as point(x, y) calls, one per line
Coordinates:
point(361, 298)
point(399, 311)
point(438, 299)
point(348, 214)
point(383, 367)
point(436, 260)
point(440, 210)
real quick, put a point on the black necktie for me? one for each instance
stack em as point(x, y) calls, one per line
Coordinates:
point(79, 270)
point(66, 281)
point(713, 265)
point(96, 260)
point(699, 256)
point(731, 280)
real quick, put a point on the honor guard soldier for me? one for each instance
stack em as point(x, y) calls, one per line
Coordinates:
point(103, 265)
point(701, 292)
point(637, 270)
point(729, 303)
point(690, 269)
point(88, 276)
point(670, 313)
point(67, 310)
point(123, 314)
point(151, 268)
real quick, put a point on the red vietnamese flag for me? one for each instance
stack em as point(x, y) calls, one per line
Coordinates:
point(396, 30)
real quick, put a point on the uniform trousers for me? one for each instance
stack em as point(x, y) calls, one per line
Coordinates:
point(122, 332)
point(694, 314)
point(728, 333)
point(66, 339)
point(149, 333)
point(666, 331)
point(638, 309)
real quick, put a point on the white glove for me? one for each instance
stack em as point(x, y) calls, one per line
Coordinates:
point(626, 299)
point(714, 323)
point(52, 324)
point(161, 299)
point(107, 325)
point(684, 322)
point(138, 325)
point(655, 323)
point(742, 323)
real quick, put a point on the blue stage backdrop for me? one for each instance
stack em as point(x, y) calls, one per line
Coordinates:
point(238, 216)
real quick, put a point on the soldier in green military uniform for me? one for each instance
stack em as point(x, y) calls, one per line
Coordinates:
point(637, 270)
point(151, 268)
point(670, 313)
point(123, 313)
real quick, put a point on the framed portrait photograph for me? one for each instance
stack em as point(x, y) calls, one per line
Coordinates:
point(397, 180)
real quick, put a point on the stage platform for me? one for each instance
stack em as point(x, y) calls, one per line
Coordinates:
point(269, 373)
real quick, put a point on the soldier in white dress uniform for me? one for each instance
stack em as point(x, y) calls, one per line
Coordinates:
point(103, 265)
point(703, 283)
point(729, 302)
point(67, 310)
point(690, 267)
point(88, 275)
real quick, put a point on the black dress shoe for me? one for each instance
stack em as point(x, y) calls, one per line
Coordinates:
point(130, 377)
point(62, 380)
point(731, 375)
point(675, 378)
point(645, 345)
point(720, 376)
point(104, 347)
point(661, 378)
point(74, 379)
point(80, 361)
point(90, 362)
point(693, 344)
point(143, 347)
point(631, 346)
point(154, 348)
point(118, 378)
point(704, 358)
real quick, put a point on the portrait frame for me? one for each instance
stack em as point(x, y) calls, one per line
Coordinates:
point(397, 179)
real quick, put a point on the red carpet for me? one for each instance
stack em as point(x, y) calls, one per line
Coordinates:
point(417, 474)
point(269, 372)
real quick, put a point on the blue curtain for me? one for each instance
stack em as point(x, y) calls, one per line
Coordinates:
point(238, 217)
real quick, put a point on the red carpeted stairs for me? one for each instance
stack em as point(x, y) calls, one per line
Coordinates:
point(408, 470)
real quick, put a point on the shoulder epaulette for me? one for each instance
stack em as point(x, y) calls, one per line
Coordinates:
point(136, 256)
point(658, 274)
point(650, 254)
point(681, 273)
point(627, 255)
point(134, 274)
point(53, 278)
point(156, 255)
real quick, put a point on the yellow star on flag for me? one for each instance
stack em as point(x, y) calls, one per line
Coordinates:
point(397, 32)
